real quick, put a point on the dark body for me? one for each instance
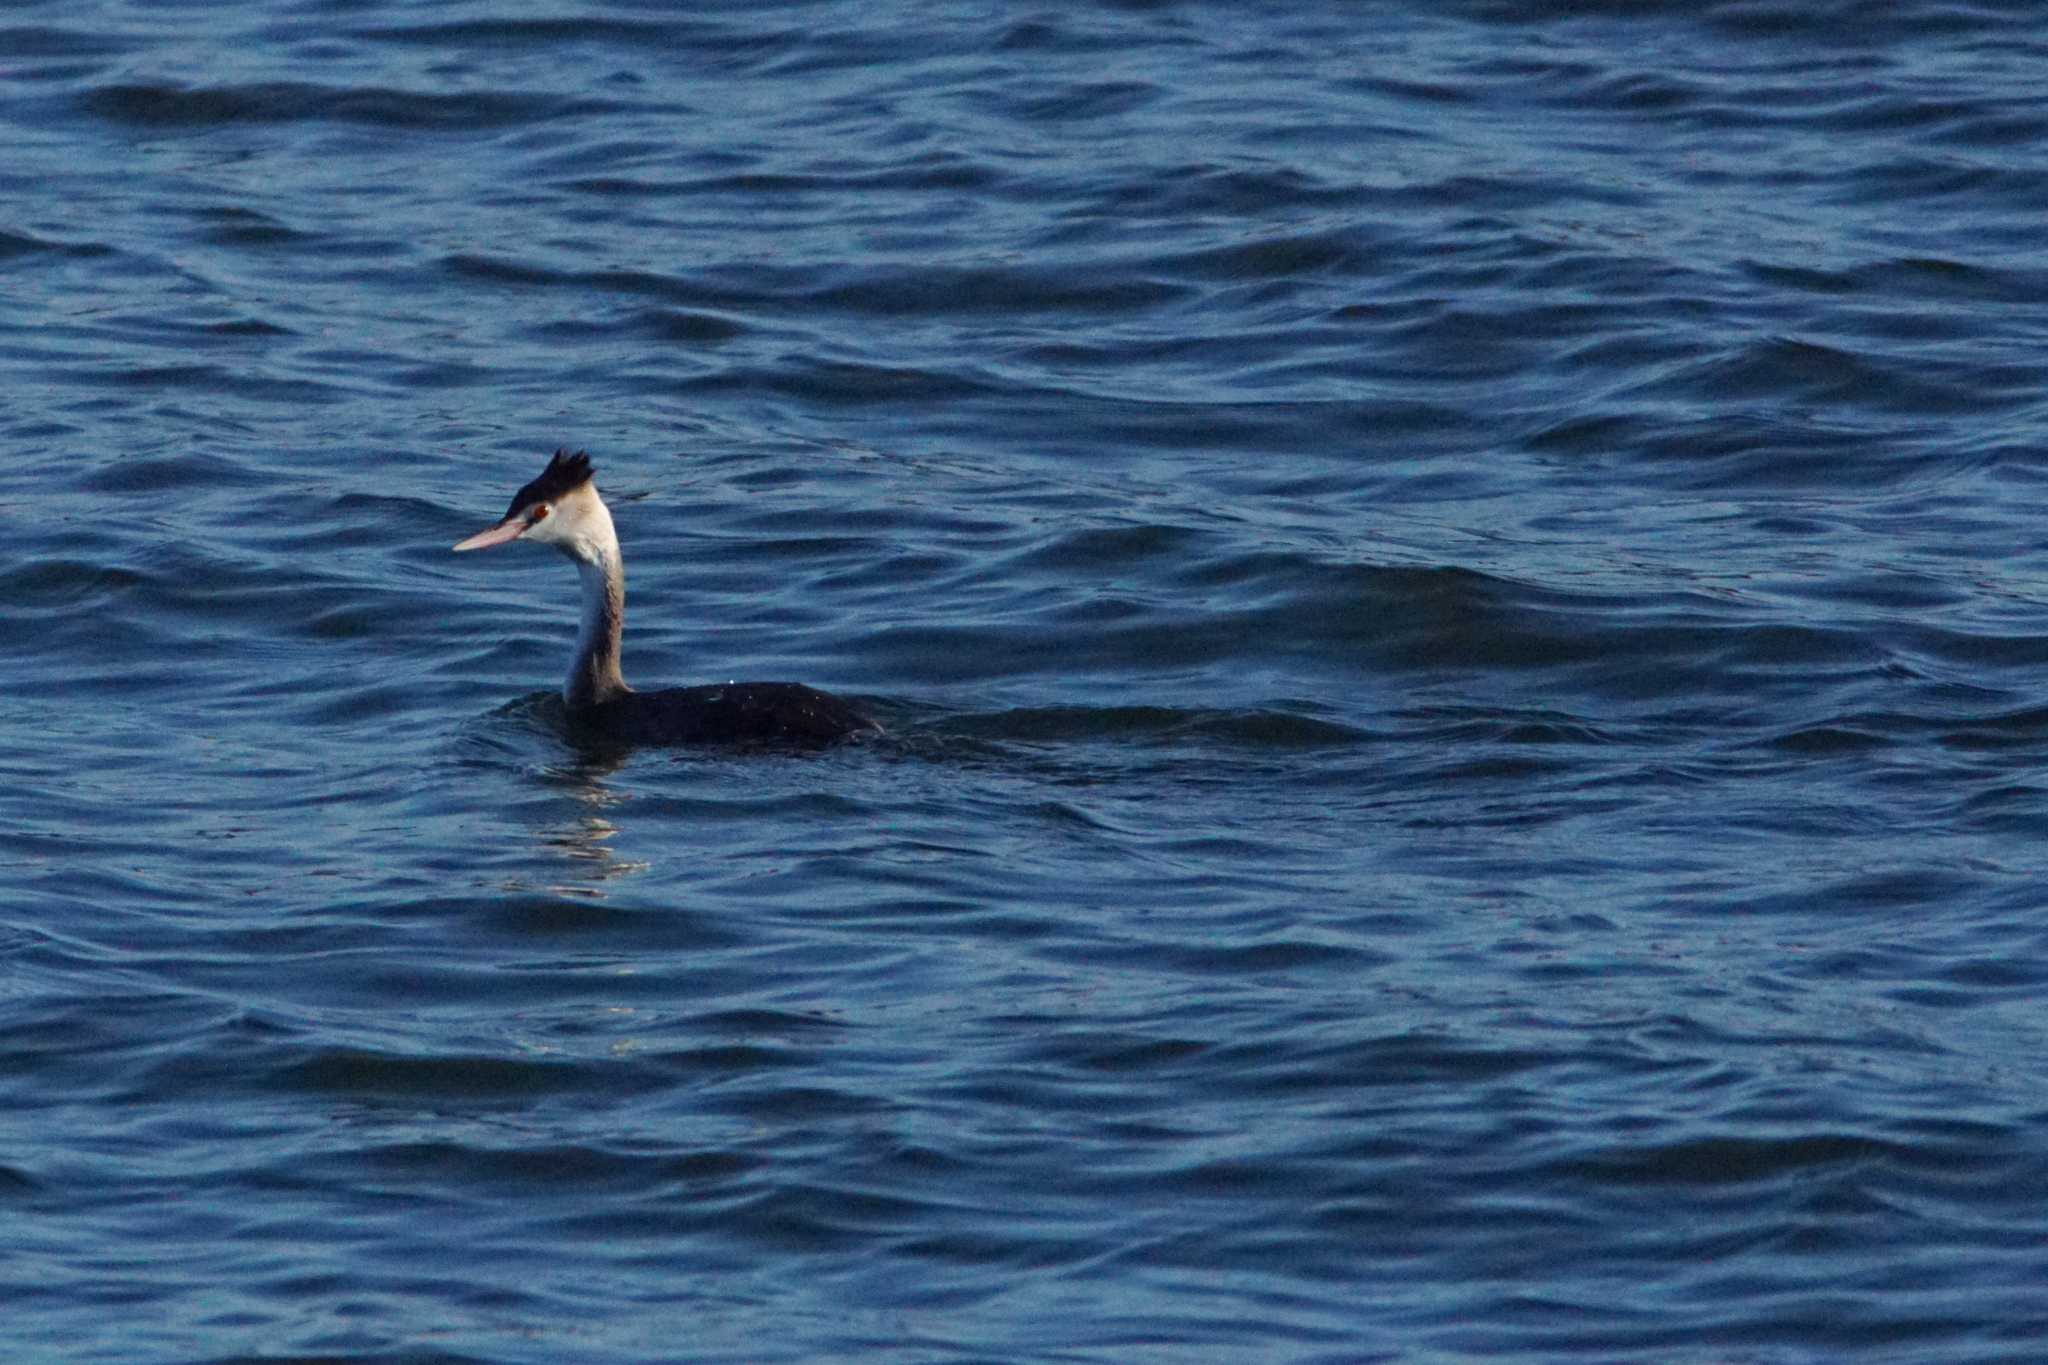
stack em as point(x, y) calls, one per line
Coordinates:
point(782, 713)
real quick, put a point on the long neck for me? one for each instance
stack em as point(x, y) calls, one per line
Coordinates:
point(594, 673)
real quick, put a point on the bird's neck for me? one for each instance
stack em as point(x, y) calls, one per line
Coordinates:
point(594, 674)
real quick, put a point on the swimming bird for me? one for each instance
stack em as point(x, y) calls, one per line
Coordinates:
point(561, 508)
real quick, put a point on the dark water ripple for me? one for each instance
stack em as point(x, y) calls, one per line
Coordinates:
point(1458, 598)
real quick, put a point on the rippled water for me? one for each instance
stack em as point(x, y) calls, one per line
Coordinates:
point(1459, 594)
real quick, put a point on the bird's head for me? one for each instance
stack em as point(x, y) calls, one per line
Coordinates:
point(559, 508)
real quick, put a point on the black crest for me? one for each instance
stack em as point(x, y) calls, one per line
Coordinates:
point(565, 474)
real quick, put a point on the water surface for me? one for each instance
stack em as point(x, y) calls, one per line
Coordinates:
point(1458, 595)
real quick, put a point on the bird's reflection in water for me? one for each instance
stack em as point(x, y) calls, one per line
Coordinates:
point(585, 839)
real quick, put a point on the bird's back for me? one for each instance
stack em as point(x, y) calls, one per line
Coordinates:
point(727, 713)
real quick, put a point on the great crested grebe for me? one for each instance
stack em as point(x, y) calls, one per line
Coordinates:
point(561, 508)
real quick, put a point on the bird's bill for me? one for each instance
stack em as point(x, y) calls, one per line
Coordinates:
point(509, 529)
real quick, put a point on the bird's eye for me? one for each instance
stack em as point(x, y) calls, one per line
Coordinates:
point(538, 514)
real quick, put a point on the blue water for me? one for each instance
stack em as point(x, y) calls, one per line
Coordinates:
point(1460, 595)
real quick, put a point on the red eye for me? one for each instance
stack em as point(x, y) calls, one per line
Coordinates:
point(539, 513)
